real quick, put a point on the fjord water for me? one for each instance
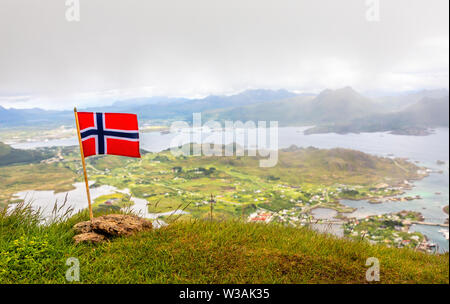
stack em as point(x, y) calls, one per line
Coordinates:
point(426, 150)
point(76, 201)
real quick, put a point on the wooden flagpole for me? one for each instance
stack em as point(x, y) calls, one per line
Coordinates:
point(91, 216)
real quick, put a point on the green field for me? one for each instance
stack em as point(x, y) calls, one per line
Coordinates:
point(303, 179)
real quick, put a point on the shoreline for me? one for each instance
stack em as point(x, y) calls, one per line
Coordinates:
point(340, 217)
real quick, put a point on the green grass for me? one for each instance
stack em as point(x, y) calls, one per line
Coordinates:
point(203, 252)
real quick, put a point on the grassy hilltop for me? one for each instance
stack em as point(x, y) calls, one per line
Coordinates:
point(204, 252)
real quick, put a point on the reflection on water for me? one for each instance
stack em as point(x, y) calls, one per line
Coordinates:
point(335, 229)
point(327, 214)
point(434, 234)
point(323, 213)
point(140, 208)
point(77, 201)
point(72, 141)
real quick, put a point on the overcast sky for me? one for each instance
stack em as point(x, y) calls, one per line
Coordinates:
point(191, 48)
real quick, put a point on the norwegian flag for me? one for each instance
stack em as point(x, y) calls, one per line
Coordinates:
point(109, 133)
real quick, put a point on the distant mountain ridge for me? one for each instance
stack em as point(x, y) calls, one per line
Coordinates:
point(330, 106)
point(416, 119)
point(341, 104)
point(146, 108)
point(342, 110)
point(14, 117)
point(402, 101)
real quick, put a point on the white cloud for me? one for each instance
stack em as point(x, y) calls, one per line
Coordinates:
point(193, 48)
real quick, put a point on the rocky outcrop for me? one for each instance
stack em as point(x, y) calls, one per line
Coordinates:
point(89, 237)
point(108, 226)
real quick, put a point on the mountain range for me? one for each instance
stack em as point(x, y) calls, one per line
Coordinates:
point(329, 106)
point(342, 110)
point(345, 111)
point(415, 119)
point(161, 108)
